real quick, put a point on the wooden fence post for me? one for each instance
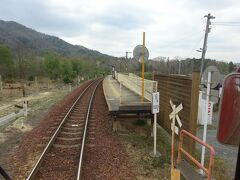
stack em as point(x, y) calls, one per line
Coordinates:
point(23, 90)
point(36, 83)
point(1, 87)
point(194, 108)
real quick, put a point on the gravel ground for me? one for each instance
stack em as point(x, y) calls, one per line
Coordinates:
point(105, 157)
point(61, 160)
point(25, 153)
point(11, 134)
point(108, 156)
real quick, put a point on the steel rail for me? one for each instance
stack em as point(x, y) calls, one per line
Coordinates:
point(85, 131)
point(40, 160)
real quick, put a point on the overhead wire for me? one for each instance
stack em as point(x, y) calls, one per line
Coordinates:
point(226, 23)
point(195, 46)
point(183, 38)
point(232, 22)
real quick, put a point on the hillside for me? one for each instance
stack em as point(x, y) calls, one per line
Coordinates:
point(18, 36)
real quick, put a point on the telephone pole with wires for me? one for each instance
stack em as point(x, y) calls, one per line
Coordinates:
point(204, 49)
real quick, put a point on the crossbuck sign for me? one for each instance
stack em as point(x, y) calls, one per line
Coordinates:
point(174, 115)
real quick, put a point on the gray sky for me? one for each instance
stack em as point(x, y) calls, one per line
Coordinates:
point(173, 27)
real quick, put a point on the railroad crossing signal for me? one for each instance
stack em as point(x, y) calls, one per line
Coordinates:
point(174, 115)
point(175, 173)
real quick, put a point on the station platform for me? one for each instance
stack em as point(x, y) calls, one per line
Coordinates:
point(121, 100)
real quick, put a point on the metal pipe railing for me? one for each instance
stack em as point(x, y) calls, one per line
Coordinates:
point(208, 170)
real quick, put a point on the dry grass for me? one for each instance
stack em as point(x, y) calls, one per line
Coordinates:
point(135, 136)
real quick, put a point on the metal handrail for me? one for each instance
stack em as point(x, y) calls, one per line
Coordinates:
point(37, 165)
point(85, 132)
point(208, 170)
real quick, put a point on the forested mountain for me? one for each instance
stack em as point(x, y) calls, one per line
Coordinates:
point(17, 36)
point(26, 53)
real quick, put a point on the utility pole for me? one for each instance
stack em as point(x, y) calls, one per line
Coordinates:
point(127, 59)
point(204, 49)
point(127, 54)
point(179, 67)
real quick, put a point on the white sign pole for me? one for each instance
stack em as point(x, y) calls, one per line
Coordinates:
point(206, 117)
point(155, 135)
point(155, 110)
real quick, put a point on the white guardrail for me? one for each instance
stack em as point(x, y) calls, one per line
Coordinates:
point(134, 83)
point(10, 117)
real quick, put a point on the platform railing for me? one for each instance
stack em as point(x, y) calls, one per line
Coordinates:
point(181, 150)
point(134, 83)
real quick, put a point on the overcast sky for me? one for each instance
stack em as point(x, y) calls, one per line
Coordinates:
point(173, 27)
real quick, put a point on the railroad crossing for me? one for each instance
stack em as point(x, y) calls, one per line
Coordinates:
point(123, 96)
point(75, 126)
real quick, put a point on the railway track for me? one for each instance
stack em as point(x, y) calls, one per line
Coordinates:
point(62, 158)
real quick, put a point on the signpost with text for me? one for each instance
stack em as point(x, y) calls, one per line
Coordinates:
point(155, 110)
